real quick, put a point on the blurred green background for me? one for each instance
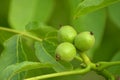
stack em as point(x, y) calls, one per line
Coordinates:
point(105, 23)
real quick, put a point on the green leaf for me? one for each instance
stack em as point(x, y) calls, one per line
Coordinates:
point(88, 6)
point(49, 47)
point(114, 13)
point(110, 43)
point(39, 29)
point(24, 11)
point(4, 35)
point(28, 44)
point(94, 22)
point(13, 53)
point(52, 37)
point(69, 77)
point(46, 55)
point(115, 69)
point(14, 69)
point(74, 3)
point(61, 14)
point(4, 12)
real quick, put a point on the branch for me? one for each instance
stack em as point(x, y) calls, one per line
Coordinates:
point(82, 71)
point(106, 74)
point(103, 65)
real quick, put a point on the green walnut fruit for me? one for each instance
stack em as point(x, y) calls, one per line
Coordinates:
point(65, 51)
point(84, 41)
point(66, 34)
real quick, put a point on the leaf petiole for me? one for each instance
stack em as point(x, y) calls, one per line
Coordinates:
point(103, 65)
point(21, 33)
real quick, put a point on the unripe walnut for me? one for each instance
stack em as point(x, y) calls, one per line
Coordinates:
point(65, 51)
point(66, 34)
point(84, 41)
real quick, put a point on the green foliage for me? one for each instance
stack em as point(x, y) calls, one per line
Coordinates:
point(39, 29)
point(114, 13)
point(12, 54)
point(14, 69)
point(28, 43)
point(115, 69)
point(39, 10)
point(87, 6)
